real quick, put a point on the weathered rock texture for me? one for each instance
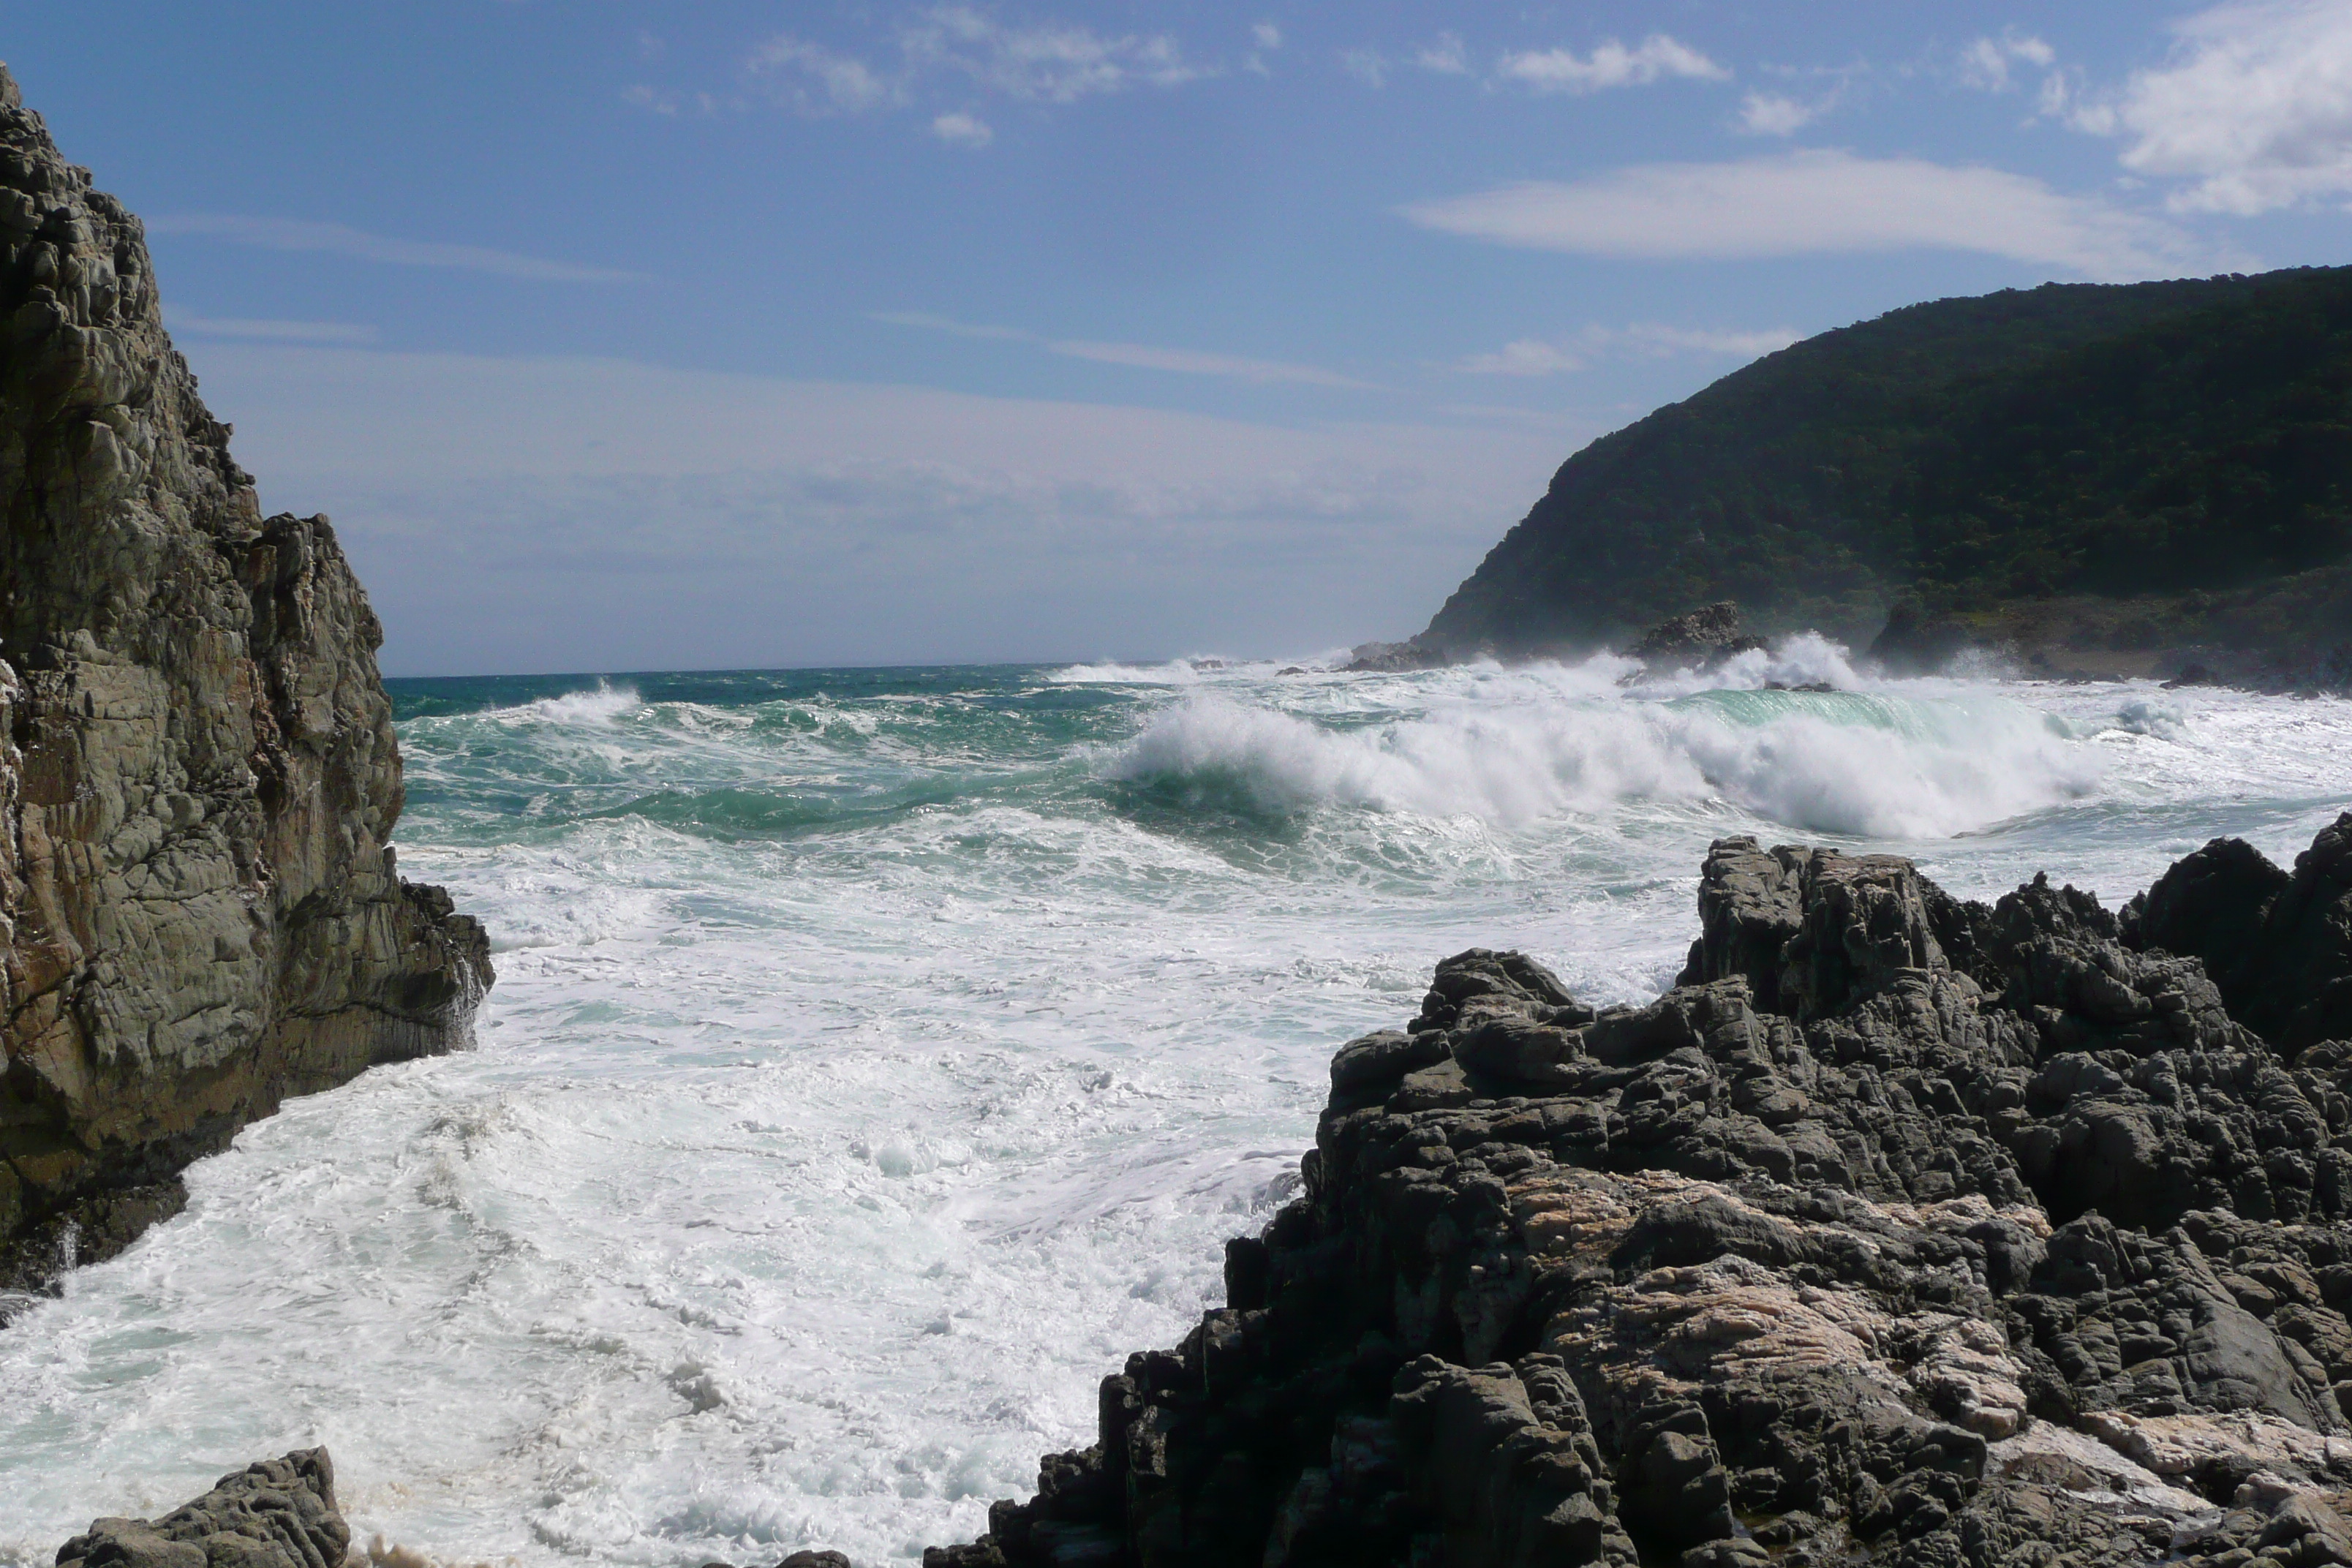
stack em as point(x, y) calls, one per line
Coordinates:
point(280, 1513)
point(1902, 1230)
point(198, 776)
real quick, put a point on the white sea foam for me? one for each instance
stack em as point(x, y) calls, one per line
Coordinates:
point(868, 1074)
point(600, 704)
point(1888, 767)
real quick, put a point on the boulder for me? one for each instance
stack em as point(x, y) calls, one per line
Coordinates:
point(1699, 640)
point(279, 1513)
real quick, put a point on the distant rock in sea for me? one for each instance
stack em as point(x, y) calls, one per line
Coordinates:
point(199, 909)
point(1700, 640)
point(1902, 1230)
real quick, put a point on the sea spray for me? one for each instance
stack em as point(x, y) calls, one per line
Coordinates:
point(1839, 763)
point(880, 1056)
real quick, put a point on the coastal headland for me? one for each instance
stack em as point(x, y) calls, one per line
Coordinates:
point(2104, 480)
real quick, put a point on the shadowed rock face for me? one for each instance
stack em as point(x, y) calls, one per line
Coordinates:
point(1901, 1230)
point(198, 775)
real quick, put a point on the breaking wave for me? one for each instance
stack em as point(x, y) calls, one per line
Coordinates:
point(1850, 763)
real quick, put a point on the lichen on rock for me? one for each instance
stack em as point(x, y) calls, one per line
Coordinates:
point(199, 906)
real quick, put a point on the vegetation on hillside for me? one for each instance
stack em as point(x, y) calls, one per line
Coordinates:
point(2147, 440)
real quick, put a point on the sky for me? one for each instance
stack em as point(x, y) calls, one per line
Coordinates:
point(623, 337)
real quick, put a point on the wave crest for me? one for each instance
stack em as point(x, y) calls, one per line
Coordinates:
point(1839, 763)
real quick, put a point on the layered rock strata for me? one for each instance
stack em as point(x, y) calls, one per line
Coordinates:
point(199, 909)
point(1901, 1230)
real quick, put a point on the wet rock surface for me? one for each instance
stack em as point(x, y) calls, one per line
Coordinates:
point(1902, 1230)
point(280, 1513)
point(199, 909)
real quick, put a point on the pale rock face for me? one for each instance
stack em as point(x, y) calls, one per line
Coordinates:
point(198, 774)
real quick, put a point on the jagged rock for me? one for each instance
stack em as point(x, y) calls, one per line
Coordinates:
point(2279, 945)
point(1701, 639)
point(1391, 658)
point(199, 909)
point(280, 1513)
point(1902, 1230)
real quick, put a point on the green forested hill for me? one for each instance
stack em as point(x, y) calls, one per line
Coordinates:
point(2067, 441)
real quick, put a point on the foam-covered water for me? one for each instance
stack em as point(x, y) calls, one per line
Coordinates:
point(880, 1056)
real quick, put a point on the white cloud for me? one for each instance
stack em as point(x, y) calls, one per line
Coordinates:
point(1656, 340)
point(1646, 340)
point(267, 330)
point(334, 238)
point(1611, 64)
point(1984, 62)
point(1816, 203)
point(1139, 356)
point(646, 96)
point(1447, 56)
point(2254, 107)
point(1365, 65)
point(1189, 362)
point(1773, 114)
point(962, 130)
point(819, 82)
point(1053, 64)
point(599, 514)
point(1268, 38)
point(925, 319)
point(1525, 357)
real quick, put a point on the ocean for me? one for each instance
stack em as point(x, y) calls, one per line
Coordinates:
point(880, 1056)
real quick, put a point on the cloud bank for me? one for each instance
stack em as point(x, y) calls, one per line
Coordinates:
point(1816, 203)
point(334, 238)
point(598, 514)
point(2254, 109)
point(1611, 64)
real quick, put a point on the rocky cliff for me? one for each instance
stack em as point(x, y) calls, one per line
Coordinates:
point(198, 777)
point(1902, 1230)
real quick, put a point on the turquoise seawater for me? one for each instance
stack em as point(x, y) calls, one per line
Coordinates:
point(878, 1055)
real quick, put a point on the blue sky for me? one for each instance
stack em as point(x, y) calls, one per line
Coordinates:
point(625, 336)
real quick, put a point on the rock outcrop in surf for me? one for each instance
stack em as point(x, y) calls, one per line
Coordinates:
point(279, 1513)
point(1902, 1229)
point(199, 908)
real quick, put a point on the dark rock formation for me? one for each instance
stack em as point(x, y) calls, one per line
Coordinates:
point(1901, 1230)
point(198, 776)
point(1390, 657)
point(2279, 946)
point(2281, 636)
point(1701, 639)
point(280, 1513)
point(1916, 641)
